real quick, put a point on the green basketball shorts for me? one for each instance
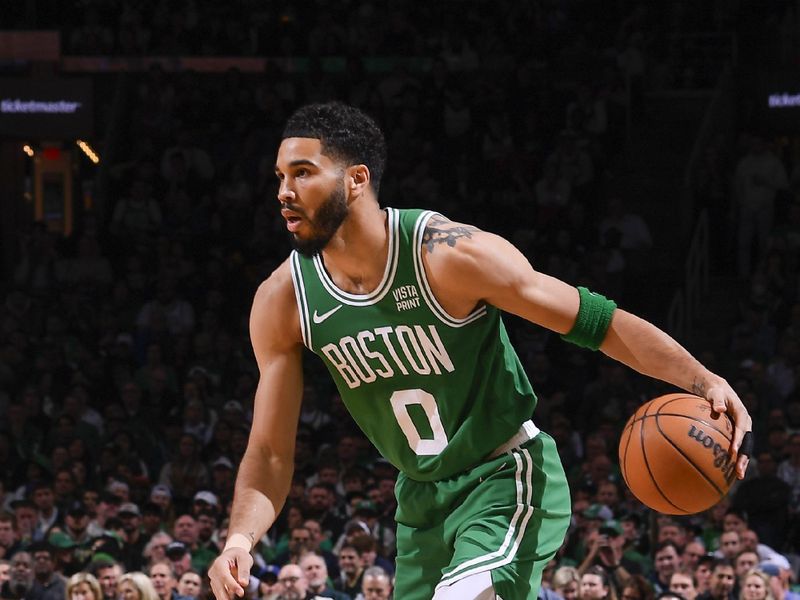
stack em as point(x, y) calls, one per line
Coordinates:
point(507, 515)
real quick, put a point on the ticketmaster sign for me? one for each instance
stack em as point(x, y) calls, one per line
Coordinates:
point(51, 108)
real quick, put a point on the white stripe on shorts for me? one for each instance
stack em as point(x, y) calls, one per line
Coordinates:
point(503, 555)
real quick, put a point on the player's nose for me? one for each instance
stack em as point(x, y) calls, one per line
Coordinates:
point(285, 193)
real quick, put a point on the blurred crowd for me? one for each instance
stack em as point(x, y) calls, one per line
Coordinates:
point(126, 376)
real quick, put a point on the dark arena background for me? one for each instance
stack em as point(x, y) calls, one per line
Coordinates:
point(648, 151)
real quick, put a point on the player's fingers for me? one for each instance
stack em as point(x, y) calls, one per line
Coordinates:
point(718, 405)
point(224, 582)
point(743, 453)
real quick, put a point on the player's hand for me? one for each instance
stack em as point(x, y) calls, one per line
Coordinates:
point(724, 400)
point(230, 573)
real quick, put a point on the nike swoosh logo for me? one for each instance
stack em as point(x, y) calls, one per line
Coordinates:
point(320, 318)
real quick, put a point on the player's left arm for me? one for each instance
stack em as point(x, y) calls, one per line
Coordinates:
point(482, 267)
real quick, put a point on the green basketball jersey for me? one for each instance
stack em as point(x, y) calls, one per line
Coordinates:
point(433, 393)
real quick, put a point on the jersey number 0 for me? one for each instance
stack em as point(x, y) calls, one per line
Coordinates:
point(401, 400)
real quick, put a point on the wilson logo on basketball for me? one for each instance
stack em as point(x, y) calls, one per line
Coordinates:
point(722, 459)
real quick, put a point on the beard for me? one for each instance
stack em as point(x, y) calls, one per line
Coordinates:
point(331, 214)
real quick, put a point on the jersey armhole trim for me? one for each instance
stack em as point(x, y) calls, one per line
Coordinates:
point(300, 296)
point(422, 279)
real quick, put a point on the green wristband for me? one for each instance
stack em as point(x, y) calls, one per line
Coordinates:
point(591, 324)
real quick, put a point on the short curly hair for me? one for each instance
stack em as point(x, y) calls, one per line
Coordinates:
point(347, 134)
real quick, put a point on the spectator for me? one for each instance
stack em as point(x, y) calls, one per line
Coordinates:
point(134, 541)
point(299, 542)
point(164, 582)
point(745, 561)
point(637, 588)
point(156, 549)
point(721, 583)
point(377, 585)
point(692, 553)
point(82, 586)
point(137, 586)
point(351, 571)
point(319, 544)
point(190, 584)
point(729, 545)
point(52, 584)
point(5, 570)
point(107, 573)
point(152, 521)
point(179, 557)
point(596, 585)
point(9, 541)
point(205, 549)
point(293, 582)
point(755, 586)
point(606, 550)
point(21, 581)
point(667, 560)
point(268, 587)
point(702, 573)
point(566, 582)
point(367, 551)
point(107, 508)
point(45, 501)
point(321, 501)
point(780, 577)
point(684, 582)
point(316, 572)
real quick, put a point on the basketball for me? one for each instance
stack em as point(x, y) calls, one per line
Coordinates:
point(674, 455)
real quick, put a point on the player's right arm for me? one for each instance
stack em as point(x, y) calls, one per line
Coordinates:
point(266, 469)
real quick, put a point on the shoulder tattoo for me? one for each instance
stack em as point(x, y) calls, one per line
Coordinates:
point(439, 230)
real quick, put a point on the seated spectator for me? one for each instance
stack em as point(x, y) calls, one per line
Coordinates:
point(82, 586)
point(729, 545)
point(666, 561)
point(292, 582)
point(692, 553)
point(367, 551)
point(684, 582)
point(137, 586)
point(156, 549)
point(596, 585)
point(190, 584)
point(755, 585)
point(377, 585)
point(9, 538)
point(566, 583)
point(316, 572)
point(21, 582)
point(135, 540)
point(637, 588)
point(164, 581)
point(721, 581)
point(351, 571)
point(51, 582)
point(107, 573)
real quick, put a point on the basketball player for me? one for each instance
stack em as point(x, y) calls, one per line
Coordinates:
point(404, 307)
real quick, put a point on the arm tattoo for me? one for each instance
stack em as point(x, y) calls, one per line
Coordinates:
point(699, 387)
point(252, 537)
point(434, 234)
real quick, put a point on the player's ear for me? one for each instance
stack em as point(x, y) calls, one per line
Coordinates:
point(357, 180)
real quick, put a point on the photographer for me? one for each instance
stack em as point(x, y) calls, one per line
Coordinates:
point(605, 548)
